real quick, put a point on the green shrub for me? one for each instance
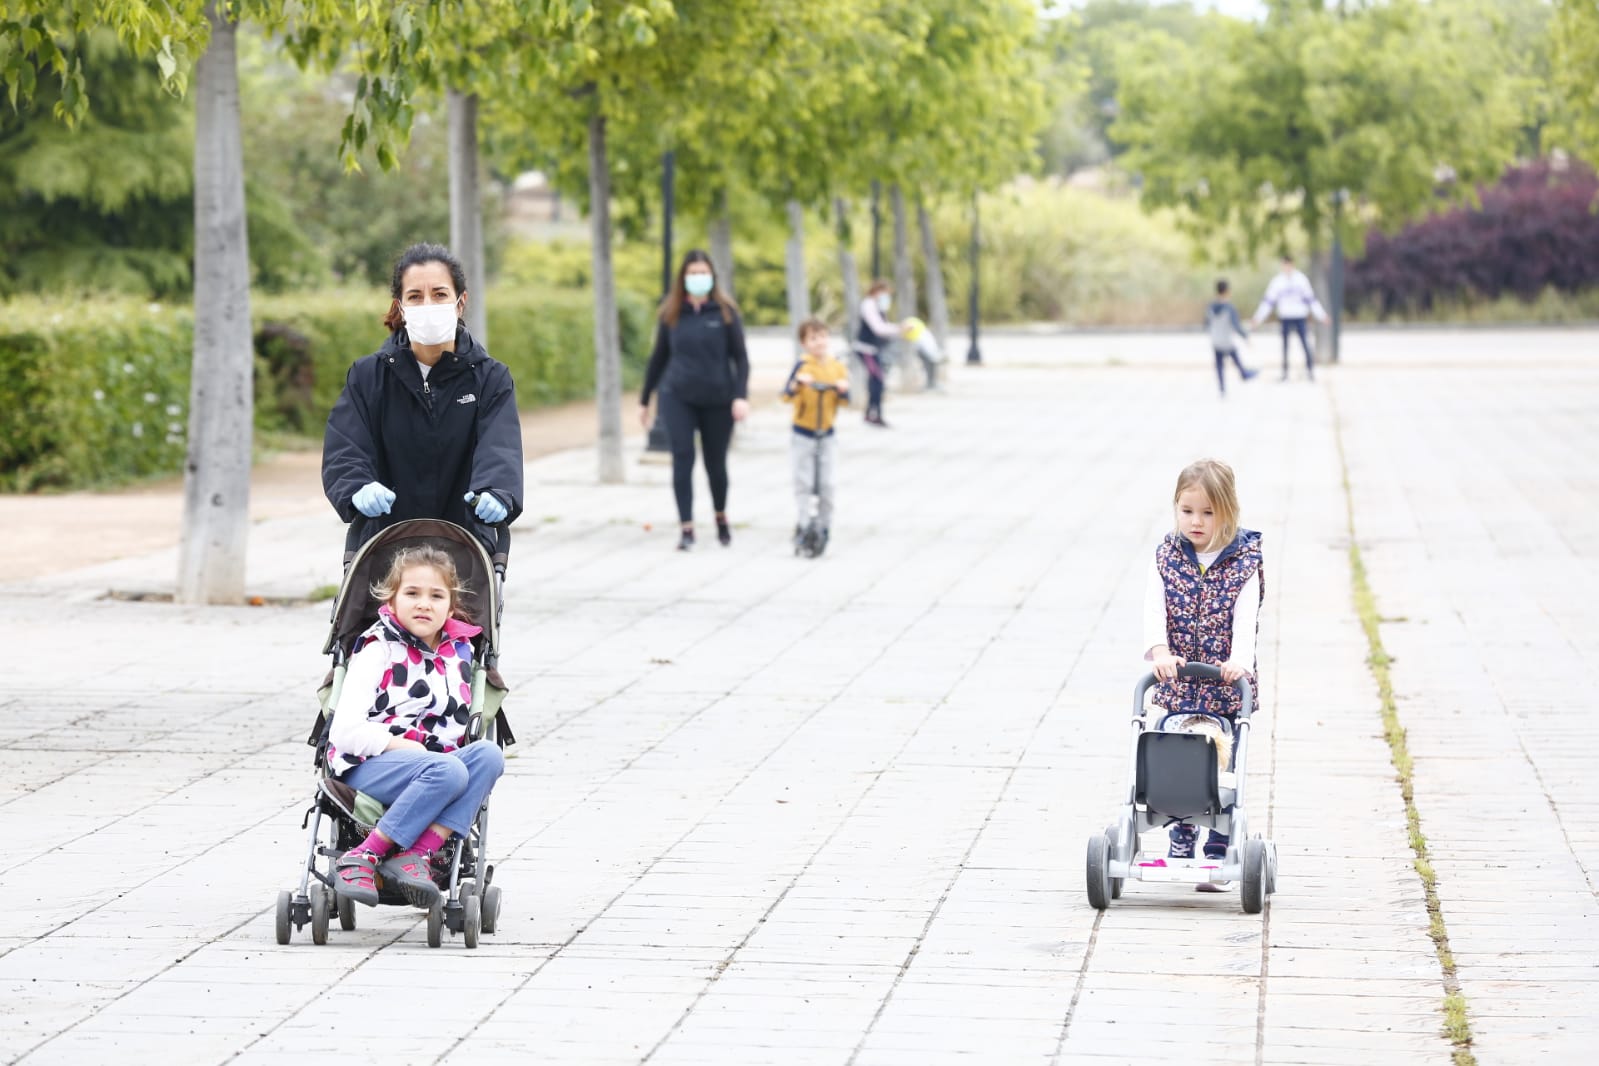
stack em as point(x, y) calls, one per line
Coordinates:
point(97, 395)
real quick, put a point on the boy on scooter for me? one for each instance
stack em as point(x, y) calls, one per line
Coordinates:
point(816, 386)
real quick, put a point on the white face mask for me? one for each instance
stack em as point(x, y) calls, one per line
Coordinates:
point(430, 323)
point(884, 301)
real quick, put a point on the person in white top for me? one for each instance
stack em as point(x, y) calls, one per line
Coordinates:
point(1290, 297)
point(1202, 605)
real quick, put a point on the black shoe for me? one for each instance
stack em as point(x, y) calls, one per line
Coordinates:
point(686, 541)
point(724, 532)
point(821, 545)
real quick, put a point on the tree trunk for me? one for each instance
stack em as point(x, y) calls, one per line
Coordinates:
point(722, 244)
point(466, 209)
point(850, 274)
point(799, 292)
point(937, 300)
point(848, 270)
point(607, 329)
point(216, 475)
point(910, 377)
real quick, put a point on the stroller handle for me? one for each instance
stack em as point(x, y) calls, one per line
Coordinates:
point(1195, 670)
point(355, 535)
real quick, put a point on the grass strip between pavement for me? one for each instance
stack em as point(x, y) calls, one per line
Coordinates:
point(1457, 1025)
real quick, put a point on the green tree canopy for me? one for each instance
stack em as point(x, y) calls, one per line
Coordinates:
point(1258, 131)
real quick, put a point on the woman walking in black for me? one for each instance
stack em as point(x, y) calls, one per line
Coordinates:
point(699, 371)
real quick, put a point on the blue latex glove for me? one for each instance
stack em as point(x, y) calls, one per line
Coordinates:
point(489, 508)
point(373, 499)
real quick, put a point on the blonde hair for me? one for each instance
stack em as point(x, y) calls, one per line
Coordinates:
point(1215, 479)
point(422, 555)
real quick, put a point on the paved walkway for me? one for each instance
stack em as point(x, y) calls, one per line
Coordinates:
point(768, 810)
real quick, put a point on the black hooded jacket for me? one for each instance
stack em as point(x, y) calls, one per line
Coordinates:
point(431, 442)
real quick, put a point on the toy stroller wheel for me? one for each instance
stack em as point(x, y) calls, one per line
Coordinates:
point(319, 915)
point(436, 924)
point(472, 920)
point(491, 908)
point(1098, 872)
point(285, 901)
point(1110, 842)
point(346, 907)
point(1271, 868)
point(1254, 879)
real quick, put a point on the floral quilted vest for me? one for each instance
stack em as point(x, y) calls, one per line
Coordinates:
point(426, 693)
point(1199, 618)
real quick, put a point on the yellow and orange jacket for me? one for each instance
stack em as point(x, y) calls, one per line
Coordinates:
point(815, 410)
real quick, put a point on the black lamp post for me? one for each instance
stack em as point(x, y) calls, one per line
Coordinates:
point(658, 440)
point(1336, 283)
point(972, 353)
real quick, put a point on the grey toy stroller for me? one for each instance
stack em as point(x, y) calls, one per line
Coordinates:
point(470, 902)
point(1174, 778)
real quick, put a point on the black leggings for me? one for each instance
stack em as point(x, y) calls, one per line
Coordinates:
point(715, 425)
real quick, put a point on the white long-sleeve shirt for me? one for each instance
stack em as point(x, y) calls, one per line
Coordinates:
point(1290, 296)
point(1245, 613)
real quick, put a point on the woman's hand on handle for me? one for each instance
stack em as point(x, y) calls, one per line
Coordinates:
point(741, 410)
point(1231, 673)
point(1166, 665)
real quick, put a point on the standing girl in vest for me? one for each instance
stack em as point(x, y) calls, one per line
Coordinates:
point(701, 371)
point(1202, 605)
point(871, 344)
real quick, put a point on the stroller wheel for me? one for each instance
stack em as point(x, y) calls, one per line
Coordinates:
point(1115, 882)
point(1099, 872)
point(491, 908)
point(285, 901)
point(320, 906)
point(1254, 878)
point(346, 907)
point(436, 924)
point(472, 920)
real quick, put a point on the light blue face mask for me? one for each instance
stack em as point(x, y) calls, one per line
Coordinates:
point(698, 284)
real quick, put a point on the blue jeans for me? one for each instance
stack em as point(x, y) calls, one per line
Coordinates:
point(1290, 327)
point(423, 787)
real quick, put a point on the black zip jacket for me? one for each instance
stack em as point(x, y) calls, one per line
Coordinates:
point(701, 360)
point(430, 441)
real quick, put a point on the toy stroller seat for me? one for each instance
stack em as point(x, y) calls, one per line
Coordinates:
point(1177, 776)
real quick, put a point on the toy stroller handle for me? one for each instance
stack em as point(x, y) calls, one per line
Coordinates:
point(1196, 670)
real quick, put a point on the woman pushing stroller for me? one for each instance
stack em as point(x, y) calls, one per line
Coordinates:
point(426, 427)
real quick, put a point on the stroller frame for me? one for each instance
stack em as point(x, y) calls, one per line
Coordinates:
point(470, 901)
point(1173, 777)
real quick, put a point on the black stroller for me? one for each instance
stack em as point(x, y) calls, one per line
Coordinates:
point(470, 901)
point(1175, 778)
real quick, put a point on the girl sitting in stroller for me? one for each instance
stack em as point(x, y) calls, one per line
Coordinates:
point(400, 727)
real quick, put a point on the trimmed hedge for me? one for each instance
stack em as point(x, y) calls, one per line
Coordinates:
point(94, 396)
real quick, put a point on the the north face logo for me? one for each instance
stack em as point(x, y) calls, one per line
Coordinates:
point(468, 398)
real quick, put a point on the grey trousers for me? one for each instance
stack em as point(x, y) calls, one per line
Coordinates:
point(803, 452)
